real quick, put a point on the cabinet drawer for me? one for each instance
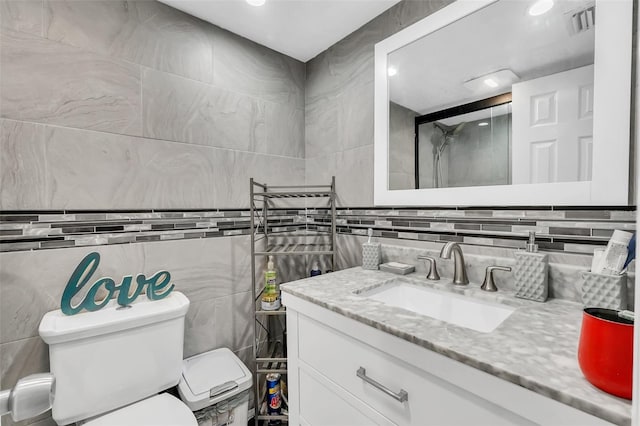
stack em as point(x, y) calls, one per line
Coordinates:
point(322, 403)
point(431, 400)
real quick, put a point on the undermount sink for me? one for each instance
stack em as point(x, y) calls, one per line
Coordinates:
point(463, 311)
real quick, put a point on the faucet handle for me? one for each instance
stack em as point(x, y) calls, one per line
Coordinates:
point(433, 271)
point(488, 284)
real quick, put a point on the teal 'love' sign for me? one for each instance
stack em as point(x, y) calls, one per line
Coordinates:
point(158, 287)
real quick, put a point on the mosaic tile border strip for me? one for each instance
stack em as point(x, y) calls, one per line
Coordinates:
point(47, 230)
point(565, 229)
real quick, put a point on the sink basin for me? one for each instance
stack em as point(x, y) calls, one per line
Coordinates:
point(479, 315)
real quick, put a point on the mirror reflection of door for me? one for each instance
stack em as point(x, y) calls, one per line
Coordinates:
point(553, 128)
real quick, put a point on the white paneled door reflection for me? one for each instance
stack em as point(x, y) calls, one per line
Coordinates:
point(553, 127)
point(542, 161)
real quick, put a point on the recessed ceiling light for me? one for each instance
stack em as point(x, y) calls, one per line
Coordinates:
point(392, 71)
point(256, 2)
point(540, 7)
point(490, 82)
point(483, 123)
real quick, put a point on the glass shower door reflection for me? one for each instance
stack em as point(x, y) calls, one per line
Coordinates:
point(469, 149)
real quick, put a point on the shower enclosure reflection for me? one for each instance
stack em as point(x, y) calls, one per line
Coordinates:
point(469, 149)
point(440, 142)
point(469, 145)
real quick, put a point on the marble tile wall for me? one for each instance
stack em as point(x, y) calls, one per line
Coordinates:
point(128, 113)
point(56, 168)
point(402, 147)
point(108, 100)
point(132, 106)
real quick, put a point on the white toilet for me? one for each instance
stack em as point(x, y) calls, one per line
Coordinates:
point(110, 364)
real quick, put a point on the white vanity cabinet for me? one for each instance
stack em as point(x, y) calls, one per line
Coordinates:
point(327, 350)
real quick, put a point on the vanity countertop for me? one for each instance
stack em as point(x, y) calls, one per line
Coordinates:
point(536, 347)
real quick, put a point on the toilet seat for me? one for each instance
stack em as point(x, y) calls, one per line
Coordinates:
point(159, 410)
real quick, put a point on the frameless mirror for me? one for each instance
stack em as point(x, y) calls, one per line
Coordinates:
point(506, 102)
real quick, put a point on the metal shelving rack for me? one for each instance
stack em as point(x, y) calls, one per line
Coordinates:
point(264, 198)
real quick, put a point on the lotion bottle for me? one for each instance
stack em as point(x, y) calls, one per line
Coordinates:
point(531, 272)
point(270, 296)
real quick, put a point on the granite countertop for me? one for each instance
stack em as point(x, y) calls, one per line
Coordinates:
point(535, 347)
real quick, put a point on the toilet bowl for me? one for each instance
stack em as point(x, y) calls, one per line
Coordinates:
point(159, 410)
point(112, 365)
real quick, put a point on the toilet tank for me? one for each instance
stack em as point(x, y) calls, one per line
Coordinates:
point(113, 357)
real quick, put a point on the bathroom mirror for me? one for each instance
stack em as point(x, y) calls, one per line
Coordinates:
point(502, 102)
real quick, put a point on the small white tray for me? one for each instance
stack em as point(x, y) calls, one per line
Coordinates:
point(397, 268)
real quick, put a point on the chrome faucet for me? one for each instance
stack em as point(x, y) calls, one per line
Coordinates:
point(459, 270)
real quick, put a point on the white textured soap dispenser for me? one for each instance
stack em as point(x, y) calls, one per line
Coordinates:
point(531, 272)
point(370, 253)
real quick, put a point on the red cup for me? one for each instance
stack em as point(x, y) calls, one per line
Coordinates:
point(605, 351)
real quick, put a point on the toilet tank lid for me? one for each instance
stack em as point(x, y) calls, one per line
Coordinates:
point(57, 327)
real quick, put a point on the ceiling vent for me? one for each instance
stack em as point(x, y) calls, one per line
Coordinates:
point(581, 20)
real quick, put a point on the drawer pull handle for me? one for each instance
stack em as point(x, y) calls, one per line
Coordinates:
point(401, 396)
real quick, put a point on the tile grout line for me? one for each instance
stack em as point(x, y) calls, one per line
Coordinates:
point(124, 135)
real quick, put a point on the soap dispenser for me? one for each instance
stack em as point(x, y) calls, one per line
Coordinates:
point(531, 272)
point(370, 253)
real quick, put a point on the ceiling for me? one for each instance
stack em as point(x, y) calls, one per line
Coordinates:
point(298, 28)
point(431, 71)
